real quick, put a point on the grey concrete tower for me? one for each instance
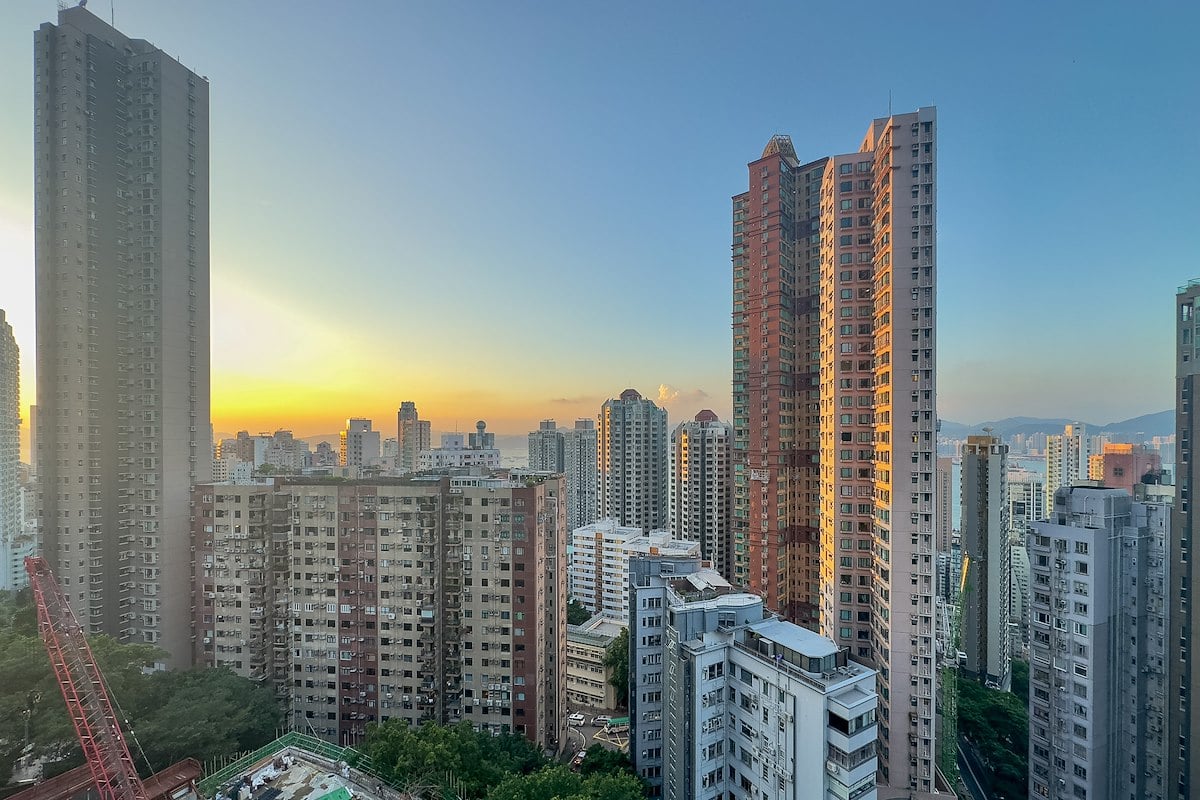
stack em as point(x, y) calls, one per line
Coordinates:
point(632, 460)
point(1183, 723)
point(121, 253)
point(987, 560)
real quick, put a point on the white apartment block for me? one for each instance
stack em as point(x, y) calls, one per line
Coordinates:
point(1097, 681)
point(728, 701)
point(701, 487)
point(455, 452)
point(987, 561)
point(1067, 457)
point(598, 572)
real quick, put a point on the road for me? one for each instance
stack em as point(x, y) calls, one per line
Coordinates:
point(974, 784)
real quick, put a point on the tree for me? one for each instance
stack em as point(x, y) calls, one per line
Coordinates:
point(997, 723)
point(434, 754)
point(1020, 680)
point(577, 614)
point(614, 786)
point(549, 783)
point(617, 659)
point(602, 761)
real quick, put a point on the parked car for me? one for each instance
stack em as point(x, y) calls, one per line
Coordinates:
point(576, 719)
point(601, 721)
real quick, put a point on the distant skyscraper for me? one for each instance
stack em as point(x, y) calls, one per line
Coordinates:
point(987, 561)
point(945, 499)
point(412, 436)
point(1183, 728)
point(121, 251)
point(1098, 694)
point(1066, 459)
point(11, 521)
point(546, 447)
point(579, 464)
point(633, 462)
point(360, 446)
point(701, 486)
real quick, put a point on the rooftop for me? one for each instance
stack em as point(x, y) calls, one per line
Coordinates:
point(793, 637)
point(298, 767)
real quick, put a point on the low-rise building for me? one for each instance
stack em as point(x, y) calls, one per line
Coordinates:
point(588, 679)
point(599, 566)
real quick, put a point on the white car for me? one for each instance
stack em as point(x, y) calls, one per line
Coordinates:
point(601, 720)
point(576, 720)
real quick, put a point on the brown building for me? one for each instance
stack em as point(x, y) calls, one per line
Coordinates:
point(834, 402)
point(425, 598)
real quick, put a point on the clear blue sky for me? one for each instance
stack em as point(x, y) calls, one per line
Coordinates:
point(514, 210)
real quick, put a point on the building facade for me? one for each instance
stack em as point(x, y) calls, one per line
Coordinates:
point(1183, 724)
point(412, 437)
point(727, 701)
point(599, 565)
point(701, 487)
point(587, 682)
point(458, 451)
point(1098, 698)
point(579, 465)
point(427, 598)
point(359, 446)
point(632, 462)
point(1123, 466)
point(987, 562)
point(121, 251)
point(1067, 457)
point(12, 523)
point(546, 447)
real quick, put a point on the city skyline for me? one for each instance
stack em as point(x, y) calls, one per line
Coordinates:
point(473, 81)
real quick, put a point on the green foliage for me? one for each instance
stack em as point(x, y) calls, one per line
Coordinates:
point(1020, 681)
point(577, 614)
point(602, 761)
point(559, 783)
point(617, 659)
point(997, 723)
point(200, 713)
point(433, 754)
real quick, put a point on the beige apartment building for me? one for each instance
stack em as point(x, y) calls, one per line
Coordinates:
point(423, 598)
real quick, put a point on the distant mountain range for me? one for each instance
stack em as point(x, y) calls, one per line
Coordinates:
point(1143, 427)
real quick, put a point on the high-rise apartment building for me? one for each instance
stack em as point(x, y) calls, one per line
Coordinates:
point(546, 447)
point(571, 451)
point(1183, 723)
point(701, 486)
point(728, 701)
point(412, 437)
point(1067, 457)
point(12, 524)
point(1098, 698)
point(121, 252)
point(632, 462)
point(598, 573)
point(579, 465)
point(987, 561)
point(834, 386)
point(944, 519)
point(424, 598)
point(359, 444)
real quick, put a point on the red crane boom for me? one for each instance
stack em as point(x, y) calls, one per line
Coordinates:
point(91, 713)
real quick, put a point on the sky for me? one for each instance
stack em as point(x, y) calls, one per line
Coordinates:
point(516, 210)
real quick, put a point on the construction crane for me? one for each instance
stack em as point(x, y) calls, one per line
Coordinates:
point(82, 686)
